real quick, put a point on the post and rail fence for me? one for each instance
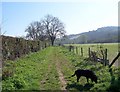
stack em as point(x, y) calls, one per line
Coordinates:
point(97, 56)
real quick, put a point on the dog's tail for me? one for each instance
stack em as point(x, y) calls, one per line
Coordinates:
point(72, 75)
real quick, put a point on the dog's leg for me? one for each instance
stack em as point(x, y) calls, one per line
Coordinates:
point(78, 77)
point(87, 79)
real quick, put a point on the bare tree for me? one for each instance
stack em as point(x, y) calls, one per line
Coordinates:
point(53, 27)
point(35, 31)
point(31, 32)
point(48, 28)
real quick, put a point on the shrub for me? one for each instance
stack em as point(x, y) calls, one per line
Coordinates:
point(6, 73)
point(7, 85)
point(19, 83)
point(14, 83)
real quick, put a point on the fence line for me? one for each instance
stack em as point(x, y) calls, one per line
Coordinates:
point(92, 54)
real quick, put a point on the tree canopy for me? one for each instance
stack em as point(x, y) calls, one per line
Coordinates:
point(49, 27)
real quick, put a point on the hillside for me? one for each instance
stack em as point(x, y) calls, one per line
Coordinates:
point(101, 35)
point(51, 68)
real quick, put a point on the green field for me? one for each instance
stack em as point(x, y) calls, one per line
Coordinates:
point(112, 49)
point(51, 68)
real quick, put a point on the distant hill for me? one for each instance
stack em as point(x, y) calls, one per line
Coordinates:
point(107, 34)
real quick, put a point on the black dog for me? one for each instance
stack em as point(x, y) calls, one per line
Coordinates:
point(87, 73)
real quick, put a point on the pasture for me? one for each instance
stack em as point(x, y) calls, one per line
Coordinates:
point(51, 68)
point(112, 49)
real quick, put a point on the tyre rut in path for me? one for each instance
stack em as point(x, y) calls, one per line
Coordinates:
point(54, 60)
point(60, 74)
point(42, 82)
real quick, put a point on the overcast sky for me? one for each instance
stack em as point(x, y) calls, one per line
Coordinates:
point(78, 17)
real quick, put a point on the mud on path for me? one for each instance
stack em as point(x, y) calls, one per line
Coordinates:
point(56, 70)
point(57, 59)
point(61, 76)
point(54, 62)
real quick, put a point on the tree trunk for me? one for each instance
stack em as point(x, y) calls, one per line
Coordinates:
point(52, 40)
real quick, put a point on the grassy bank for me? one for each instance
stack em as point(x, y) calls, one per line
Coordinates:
point(41, 71)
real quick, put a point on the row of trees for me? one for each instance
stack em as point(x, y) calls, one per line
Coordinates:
point(49, 28)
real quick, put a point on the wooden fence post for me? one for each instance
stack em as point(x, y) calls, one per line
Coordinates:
point(76, 50)
point(114, 59)
point(81, 51)
point(105, 58)
point(73, 49)
point(89, 53)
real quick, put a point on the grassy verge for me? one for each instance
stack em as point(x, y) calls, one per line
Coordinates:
point(106, 80)
point(32, 72)
point(37, 71)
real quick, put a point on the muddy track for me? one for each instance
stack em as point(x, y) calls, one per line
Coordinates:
point(61, 77)
point(54, 60)
point(42, 82)
point(60, 74)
